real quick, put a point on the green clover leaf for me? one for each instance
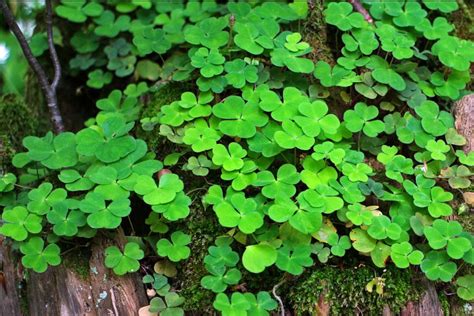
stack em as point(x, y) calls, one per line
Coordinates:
point(220, 279)
point(168, 307)
point(324, 196)
point(293, 259)
point(38, 257)
point(256, 36)
point(210, 62)
point(177, 249)
point(263, 142)
point(433, 120)
point(242, 178)
point(229, 158)
point(362, 119)
point(200, 136)
point(340, 14)
point(165, 192)
point(108, 141)
point(54, 152)
point(327, 150)
point(102, 215)
point(384, 74)
point(239, 72)
point(109, 26)
point(446, 234)
point(151, 40)
point(361, 241)
point(221, 255)
point(454, 52)
point(403, 255)
point(237, 306)
point(18, 223)
point(292, 136)
point(208, 32)
point(282, 186)
point(437, 149)
point(314, 119)
point(197, 107)
point(436, 266)
point(44, 197)
point(98, 79)
point(7, 182)
point(66, 222)
point(125, 262)
point(258, 257)
point(339, 245)
point(439, 29)
point(382, 227)
point(444, 6)
point(239, 211)
point(361, 39)
point(283, 57)
point(465, 287)
point(357, 172)
point(78, 11)
point(260, 305)
point(411, 15)
point(176, 209)
point(294, 43)
point(337, 76)
point(359, 215)
point(317, 172)
point(239, 118)
point(199, 166)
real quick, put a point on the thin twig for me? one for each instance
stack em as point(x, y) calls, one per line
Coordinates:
point(278, 298)
point(48, 90)
point(112, 298)
point(360, 8)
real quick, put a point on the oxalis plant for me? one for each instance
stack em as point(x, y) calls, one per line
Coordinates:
point(295, 182)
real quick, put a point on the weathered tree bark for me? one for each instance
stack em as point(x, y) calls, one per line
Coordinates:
point(9, 294)
point(428, 305)
point(63, 291)
point(464, 113)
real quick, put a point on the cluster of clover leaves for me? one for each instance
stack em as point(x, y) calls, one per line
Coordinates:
point(299, 184)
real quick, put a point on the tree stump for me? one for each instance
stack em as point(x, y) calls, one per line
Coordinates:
point(464, 113)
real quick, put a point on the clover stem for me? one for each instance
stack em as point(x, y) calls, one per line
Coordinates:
point(131, 226)
point(358, 140)
point(49, 90)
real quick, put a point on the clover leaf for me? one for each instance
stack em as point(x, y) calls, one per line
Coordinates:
point(78, 11)
point(66, 222)
point(238, 304)
point(454, 52)
point(361, 39)
point(98, 79)
point(465, 286)
point(292, 136)
point(324, 196)
point(126, 261)
point(151, 40)
point(210, 62)
point(317, 172)
point(220, 279)
point(444, 6)
point(403, 255)
point(200, 136)
point(38, 257)
point(433, 120)
point(361, 241)
point(327, 150)
point(18, 223)
point(239, 118)
point(242, 178)
point(221, 255)
point(357, 172)
point(44, 197)
point(7, 182)
point(359, 214)
point(239, 211)
point(260, 305)
point(386, 75)
point(208, 32)
point(165, 192)
point(102, 215)
point(176, 249)
point(239, 72)
point(410, 15)
point(337, 76)
point(229, 158)
point(340, 14)
point(256, 36)
point(339, 245)
point(314, 119)
point(258, 257)
point(436, 30)
point(446, 234)
point(263, 141)
point(54, 152)
point(109, 142)
point(199, 166)
point(361, 119)
point(168, 307)
point(293, 259)
point(197, 107)
point(436, 266)
point(282, 186)
point(382, 227)
point(109, 26)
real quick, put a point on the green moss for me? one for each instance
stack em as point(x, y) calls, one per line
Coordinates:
point(78, 261)
point(16, 122)
point(345, 290)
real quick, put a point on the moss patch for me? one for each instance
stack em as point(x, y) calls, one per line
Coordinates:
point(78, 261)
point(345, 290)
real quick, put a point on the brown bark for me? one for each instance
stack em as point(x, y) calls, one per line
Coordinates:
point(464, 113)
point(428, 305)
point(9, 294)
point(63, 291)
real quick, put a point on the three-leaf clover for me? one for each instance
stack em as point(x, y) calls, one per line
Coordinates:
point(382, 227)
point(436, 266)
point(54, 152)
point(239, 72)
point(78, 11)
point(437, 149)
point(292, 136)
point(66, 222)
point(125, 262)
point(176, 249)
point(209, 33)
point(102, 215)
point(465, 287)
point(239, 211)
point(284, 184)
point(239, 118)
point(293, 259)
point(257, 257)
point(339, 245)
point(261, 304)
point(168, 187)
point(341, 15)
point(44, 197)
point(314, 119)
point(446, 234)
point(229, 158)
point(38, 257)
point(434, 121)
point(18, 223)
point(237, 305)
point(220, 278)
point(362, 119)
point(403, 255)
point(169, 306)
point(210, 62)
point(357, 172)
point(109, 26)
